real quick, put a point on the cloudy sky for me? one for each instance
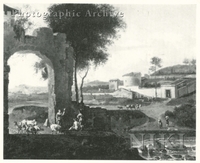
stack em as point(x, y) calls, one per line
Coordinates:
point(165, 31)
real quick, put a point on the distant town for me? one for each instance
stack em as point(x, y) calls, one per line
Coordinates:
point(171, 82)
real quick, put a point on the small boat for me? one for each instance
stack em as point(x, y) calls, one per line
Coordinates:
point(177, 157)
point(188, 157)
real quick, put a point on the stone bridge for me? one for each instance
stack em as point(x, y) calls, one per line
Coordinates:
point(53, 49)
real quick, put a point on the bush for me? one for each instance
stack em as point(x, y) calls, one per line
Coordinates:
point(169, 114)
point(185, 115)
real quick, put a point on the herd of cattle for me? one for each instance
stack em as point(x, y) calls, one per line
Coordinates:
point(130, 107)
point(31, 127)
point(27, 126)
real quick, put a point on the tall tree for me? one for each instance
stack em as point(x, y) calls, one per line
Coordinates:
point(82, 82)
point(186, 61)
point(193, 63)
point(156, 63)
point(90, 28)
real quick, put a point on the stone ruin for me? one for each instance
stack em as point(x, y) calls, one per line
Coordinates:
point(53, 49)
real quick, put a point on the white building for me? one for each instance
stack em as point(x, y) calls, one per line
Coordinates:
point(132, 79)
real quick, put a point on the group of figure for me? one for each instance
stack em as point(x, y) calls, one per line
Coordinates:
point(27, 126)
point(78, 122)
point(166, 122)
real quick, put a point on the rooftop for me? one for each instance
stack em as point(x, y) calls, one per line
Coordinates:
point(178, 81)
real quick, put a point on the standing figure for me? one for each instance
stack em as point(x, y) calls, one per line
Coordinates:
point(59, 117)
point(167, 121)
point(160, 123)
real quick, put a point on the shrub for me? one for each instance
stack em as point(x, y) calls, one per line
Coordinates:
point(169, 114)
point(185, 115)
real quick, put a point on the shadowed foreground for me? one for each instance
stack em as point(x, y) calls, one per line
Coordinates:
point(70, 146)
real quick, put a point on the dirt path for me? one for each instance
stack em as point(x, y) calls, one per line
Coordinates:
point(154, 111)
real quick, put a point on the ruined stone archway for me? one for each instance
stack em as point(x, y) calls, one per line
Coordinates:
point(51, 80)
point(53, 49)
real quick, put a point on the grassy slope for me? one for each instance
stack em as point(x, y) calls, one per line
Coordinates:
point(156, 111)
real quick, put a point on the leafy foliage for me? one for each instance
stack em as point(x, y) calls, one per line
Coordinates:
point(42, 68)
point(169, 114)
point(191, 62)
point(186, 61)
point(156, 63)
point(185, 115)
point(88, 35)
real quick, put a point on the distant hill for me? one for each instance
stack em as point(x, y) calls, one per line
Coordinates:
point(96, 83)
point(177, 69)
point(24, 89)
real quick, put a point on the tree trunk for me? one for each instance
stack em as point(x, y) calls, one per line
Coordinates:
point(155, 84)
point(76, 83)
point(81, 87)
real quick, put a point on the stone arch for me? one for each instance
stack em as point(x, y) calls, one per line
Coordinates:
point(59, 57)
point(51, 79)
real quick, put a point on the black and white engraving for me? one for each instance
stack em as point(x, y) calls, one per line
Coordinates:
point(100, 81)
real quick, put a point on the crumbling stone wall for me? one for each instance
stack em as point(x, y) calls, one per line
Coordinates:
point(58, 56)
point(119, 121)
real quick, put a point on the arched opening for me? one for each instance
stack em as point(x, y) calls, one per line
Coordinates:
point(33, 96)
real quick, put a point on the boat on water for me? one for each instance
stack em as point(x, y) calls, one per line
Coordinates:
point(169, 152)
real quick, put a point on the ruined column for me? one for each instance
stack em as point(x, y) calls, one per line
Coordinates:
point(51, 95)
point(69, 68)
point(63, 68)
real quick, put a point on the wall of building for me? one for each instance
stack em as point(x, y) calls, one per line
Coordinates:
point(143, 92)
point(182, 91)
point(192, 87)
point(150, 92)
point(189, 88)
point(133, 80)
point(123, 93)
point(113, 85)
point(172, 90)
